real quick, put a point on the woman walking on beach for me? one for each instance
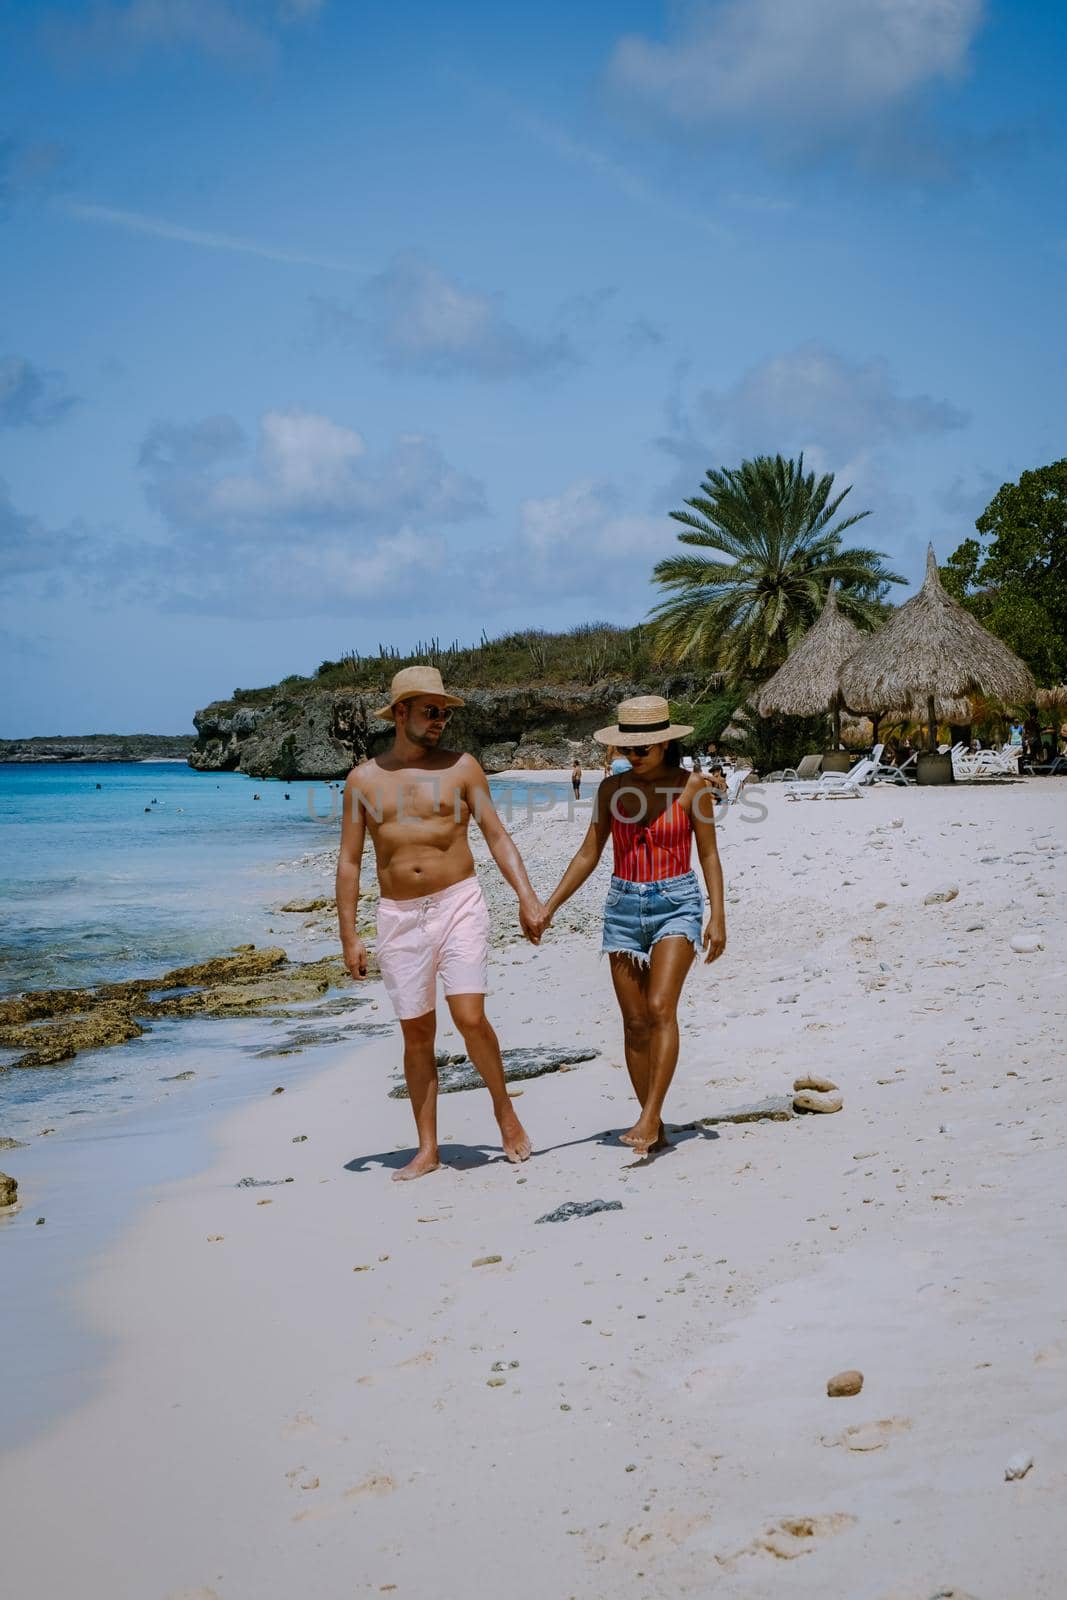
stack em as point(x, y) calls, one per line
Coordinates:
point(653, 914)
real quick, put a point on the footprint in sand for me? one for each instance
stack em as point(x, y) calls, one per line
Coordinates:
point(422, 1358)
point(791, 1537)
point(298, 1424)
point(663, 1533)
point(865, 1436)
point(375, 1486)
point(378, 1483)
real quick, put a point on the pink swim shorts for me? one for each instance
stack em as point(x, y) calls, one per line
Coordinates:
point(446, 933)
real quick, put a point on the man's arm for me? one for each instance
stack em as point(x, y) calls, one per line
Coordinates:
point(349, 862)
point(502, 846)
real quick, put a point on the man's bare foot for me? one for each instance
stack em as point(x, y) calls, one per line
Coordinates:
point(513, 1136)
point(425, 1161)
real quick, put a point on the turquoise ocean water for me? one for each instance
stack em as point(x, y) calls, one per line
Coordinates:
point(117, 871)
point(93, 888)
point(110, 871)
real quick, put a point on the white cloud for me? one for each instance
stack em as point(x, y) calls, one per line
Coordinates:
point(307, 473)
point(964, 499)
point(419, 320)
point(584, 542)
point(304, 520)
point(30, 396)
point(351, 576)
point(810, 67)
point(811, 399)
point(241, 32)
point(848, 419)
point(28, 548)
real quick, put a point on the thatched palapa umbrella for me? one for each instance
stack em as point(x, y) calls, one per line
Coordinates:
point(929, 653)
point(808, 682)
point(1052, 699)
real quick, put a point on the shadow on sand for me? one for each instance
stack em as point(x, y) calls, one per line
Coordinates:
point(465, 1157)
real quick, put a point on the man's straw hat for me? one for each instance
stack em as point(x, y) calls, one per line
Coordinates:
point(645, 720)
point(410, 681)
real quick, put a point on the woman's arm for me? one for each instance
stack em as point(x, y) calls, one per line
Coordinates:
point(588, 853)
point(699, 801)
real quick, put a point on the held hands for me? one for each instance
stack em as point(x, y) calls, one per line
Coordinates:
point(355, 958)
point(714, 940)
point(533, 919)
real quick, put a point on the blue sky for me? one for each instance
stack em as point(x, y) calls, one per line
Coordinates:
point(325, 325)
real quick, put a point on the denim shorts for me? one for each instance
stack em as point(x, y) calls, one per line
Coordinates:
point(638, 915)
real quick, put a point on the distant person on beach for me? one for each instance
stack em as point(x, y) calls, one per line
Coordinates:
point(417, 800)
point(654, 909)
point(576, 778)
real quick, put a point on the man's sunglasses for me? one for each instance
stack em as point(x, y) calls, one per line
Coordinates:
point(437, 713)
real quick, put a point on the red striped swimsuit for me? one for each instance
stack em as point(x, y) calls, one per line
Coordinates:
point(647, 852)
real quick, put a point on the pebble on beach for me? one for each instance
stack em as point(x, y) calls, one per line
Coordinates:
point(580, 1208)
point(486, 1261)
point(941, 895)
point(811, 1081)
point(9, 1190)
point(844, 1384)
point(1018, 1466)
point(1026, 944)
point(809, 1100)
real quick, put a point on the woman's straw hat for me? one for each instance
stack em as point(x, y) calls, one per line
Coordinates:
point(644, 720)
point(410, 681)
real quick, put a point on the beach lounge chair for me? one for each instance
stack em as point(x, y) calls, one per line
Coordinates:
point(1003, 763)
point(805, 772)
point(834, 785)
point(903, 774)
point(883, 772)
point(734, 783)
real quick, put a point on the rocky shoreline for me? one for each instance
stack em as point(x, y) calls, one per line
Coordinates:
point(103, 747)
point(324, 733)
point(52, 1026)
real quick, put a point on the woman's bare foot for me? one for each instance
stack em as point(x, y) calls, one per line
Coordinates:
point(513, 1136)
point(424, 1161)
point(643, 1140)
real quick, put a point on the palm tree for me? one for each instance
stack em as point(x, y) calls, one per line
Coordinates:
point(776, 551)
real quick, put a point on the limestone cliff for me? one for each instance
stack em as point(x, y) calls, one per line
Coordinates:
point(323, 733)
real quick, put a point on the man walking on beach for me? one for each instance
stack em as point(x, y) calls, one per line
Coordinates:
point(418, 801)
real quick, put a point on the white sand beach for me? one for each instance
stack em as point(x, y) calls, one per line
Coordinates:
point(314, 1389)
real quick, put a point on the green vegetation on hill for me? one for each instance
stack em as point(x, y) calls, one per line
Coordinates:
point(1013, 577)
point(584, 655)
